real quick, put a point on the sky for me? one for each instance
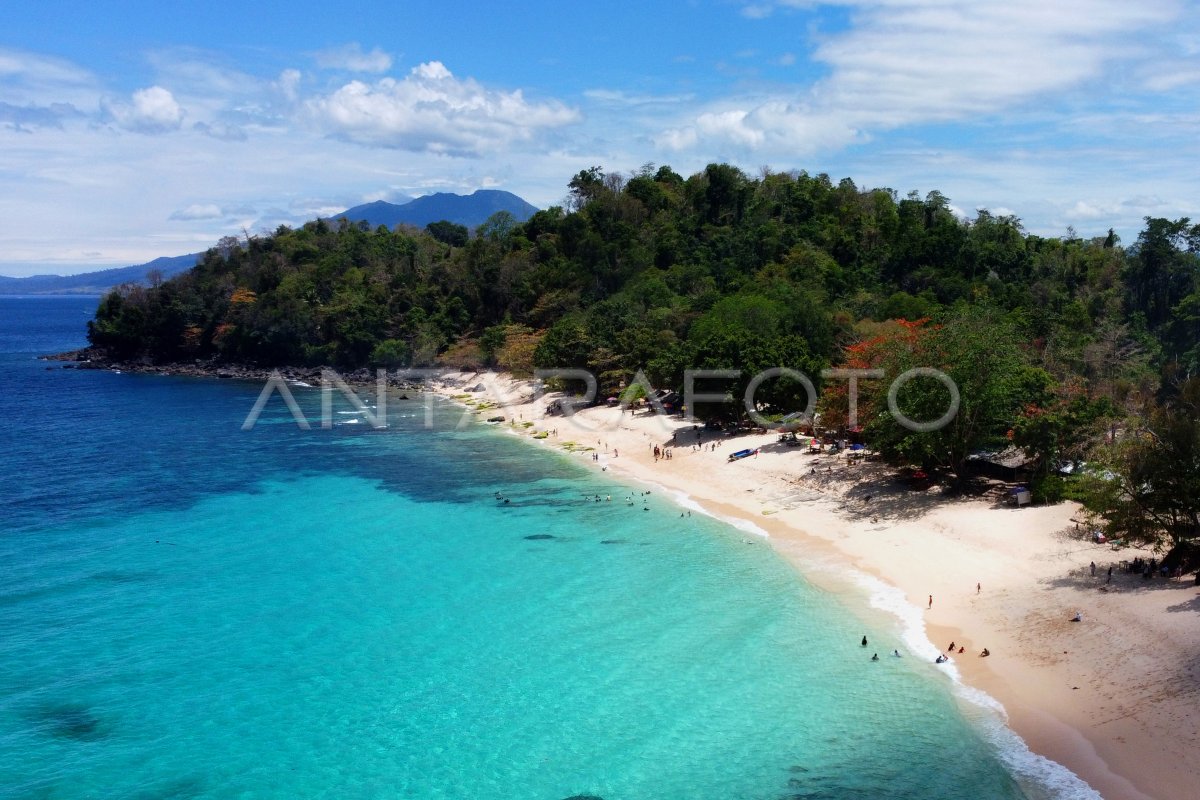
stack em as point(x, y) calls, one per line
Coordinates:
point(132, 130)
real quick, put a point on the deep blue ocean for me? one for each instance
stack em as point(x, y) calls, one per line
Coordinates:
point(191, 610)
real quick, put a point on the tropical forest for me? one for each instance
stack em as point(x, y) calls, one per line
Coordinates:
point(1082, 354)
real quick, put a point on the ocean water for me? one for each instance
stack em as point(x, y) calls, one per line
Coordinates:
point(190, 610)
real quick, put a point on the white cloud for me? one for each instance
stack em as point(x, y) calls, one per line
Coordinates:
point(195, 212)
point(430, 110)
point(757, 10)
point(222, 131)
point(1122, 208)
point(771, 126)
point(908, 62)
point(351, 58)
point(16, 63)
point(948, 59)
point(618, 97)
point(30, 117)
point(1172, 76)
point(288, 84)
point(151, 110)
point(39, 92)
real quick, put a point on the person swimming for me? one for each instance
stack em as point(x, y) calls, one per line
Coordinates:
point(896, 653)
point(875, 657)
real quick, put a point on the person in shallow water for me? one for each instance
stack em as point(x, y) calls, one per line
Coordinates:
point(864, 641)
point(875, 657)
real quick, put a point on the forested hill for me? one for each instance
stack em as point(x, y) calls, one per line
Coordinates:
point(657, 271)
point(1068, 350)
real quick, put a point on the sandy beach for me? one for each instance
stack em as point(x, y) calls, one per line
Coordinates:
point(1114, 697)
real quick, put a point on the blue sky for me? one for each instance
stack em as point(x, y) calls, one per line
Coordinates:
point(130, 130)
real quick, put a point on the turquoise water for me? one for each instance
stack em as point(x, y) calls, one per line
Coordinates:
point(192, 610)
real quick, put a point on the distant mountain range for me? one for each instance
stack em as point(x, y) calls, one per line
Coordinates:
point(470, 210)
point(97, 282)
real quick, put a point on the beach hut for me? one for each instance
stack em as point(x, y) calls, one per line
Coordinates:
point(1009, 464)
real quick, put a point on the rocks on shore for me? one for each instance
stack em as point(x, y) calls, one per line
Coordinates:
point(95, 358)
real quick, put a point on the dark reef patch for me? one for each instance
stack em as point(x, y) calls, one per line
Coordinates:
point(69, 721)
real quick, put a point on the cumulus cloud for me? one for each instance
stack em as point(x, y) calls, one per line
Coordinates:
point(430, 110)
point(905, 62)
point(351, 58)
point(150, 110)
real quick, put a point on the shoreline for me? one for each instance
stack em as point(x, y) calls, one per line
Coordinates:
point(1111, 699)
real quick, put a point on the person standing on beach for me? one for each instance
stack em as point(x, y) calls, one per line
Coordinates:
point(930, 601)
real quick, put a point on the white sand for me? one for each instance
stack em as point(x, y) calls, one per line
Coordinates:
point(1114, 697)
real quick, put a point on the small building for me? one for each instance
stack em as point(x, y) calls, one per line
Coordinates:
point(1009, 464)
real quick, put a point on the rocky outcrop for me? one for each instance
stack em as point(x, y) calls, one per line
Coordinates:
point(97, 358)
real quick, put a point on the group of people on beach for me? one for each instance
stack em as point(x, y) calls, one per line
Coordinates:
point(941, 657)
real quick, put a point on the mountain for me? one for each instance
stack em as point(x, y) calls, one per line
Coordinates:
point(97, 282)
point(470, 210)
